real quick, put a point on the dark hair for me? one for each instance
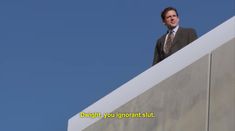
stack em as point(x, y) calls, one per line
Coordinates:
point(163, 14)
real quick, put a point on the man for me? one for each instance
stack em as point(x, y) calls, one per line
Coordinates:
point(176, 37)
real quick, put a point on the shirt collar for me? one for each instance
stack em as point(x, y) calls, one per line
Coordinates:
point(175, 29)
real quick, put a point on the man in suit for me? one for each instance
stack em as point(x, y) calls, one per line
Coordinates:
point(176, 37)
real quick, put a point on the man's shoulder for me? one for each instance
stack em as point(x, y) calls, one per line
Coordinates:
point(186, 29)
point(162, 37)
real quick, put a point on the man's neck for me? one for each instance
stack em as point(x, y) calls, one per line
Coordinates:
point(174, 28)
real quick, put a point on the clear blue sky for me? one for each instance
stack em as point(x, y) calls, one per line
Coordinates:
point(59, 56)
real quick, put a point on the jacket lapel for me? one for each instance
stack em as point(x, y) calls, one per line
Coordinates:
point(177, 35)
point(163, 41)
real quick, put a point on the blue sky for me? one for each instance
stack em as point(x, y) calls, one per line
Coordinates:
point(57, 57)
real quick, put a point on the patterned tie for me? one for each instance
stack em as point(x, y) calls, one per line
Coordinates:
point(169, 41)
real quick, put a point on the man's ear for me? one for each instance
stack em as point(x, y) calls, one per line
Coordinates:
point(163, 22)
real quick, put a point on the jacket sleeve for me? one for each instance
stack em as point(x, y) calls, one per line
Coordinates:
point(192, 35)
point(157, 57)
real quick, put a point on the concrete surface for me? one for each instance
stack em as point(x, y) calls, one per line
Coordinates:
point(179, 102)
point(222, 92)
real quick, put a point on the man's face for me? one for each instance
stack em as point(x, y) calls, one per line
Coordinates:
point(171, 19)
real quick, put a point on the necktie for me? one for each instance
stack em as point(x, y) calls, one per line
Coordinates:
point(169, 41)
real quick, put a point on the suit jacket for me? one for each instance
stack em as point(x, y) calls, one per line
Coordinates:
point(183, 37)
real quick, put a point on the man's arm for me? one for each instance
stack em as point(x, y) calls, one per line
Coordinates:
point(192, 35)
point(156, 58)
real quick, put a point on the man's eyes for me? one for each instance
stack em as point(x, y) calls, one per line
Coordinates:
point(171, 16)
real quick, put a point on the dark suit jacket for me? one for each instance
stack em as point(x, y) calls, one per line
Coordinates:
point(183, 37)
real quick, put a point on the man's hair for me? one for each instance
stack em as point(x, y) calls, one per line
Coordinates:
point(163, 14)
